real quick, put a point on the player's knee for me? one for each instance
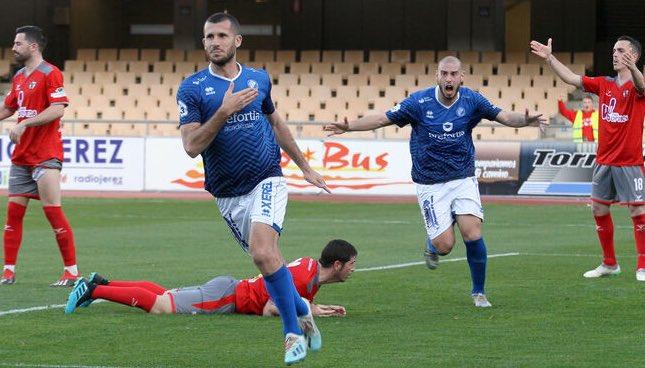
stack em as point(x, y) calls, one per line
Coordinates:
point(472, 235)
point(599, 209)
point(443, 247)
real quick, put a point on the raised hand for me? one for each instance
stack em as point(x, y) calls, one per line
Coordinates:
point(234, 102)
point(541, 50)
point(627, 60)
point(337, 128)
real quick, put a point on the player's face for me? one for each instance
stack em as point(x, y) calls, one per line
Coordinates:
point(620, 48)
point(22, 48)
point(587, 104)
point(449, 78)
point(220, 42)
point(347, 269)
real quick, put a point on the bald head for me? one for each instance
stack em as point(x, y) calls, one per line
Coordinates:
point(449, 61)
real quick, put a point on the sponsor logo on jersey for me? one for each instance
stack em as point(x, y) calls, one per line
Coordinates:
point(609, 115)
point(32, 85)
point(199, 80)
point(429, 114)
point(241, 118)
point(58, 93)
point(209, 91)
point(447, 126)
point(24, 112)
point(461, 111)
point(446, 136)
point(183, 109)
point(252, 83)
point(424, 100)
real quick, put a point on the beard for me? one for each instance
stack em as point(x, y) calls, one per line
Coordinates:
point(224, 59)
point(21, 58)
point(454, 94)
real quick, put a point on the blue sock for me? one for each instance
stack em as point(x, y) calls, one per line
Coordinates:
point(476, 255)
point(431, 247)
point(301, 307)
point(279, 286)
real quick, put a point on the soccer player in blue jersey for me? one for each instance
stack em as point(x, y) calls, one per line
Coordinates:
point(226, 115)
point(443, 162)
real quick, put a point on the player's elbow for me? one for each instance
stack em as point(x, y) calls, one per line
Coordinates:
point(191, 152)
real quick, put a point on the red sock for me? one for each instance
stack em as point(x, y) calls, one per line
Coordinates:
point(639, 235)
point(148, 285)
point(64, 234)
point(605, 230)
point(13, 232)
point(130, 296)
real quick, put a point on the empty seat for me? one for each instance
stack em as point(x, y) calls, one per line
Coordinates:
point(321, 68)
point(287, 79)
point(129, 54)
point(310, 56)
point(309, 79)
point(138, 67)
point(111, 113)
point(332, 80)
point(497, 80)
point(379, 56)
point(150, 55)
point(530, 69)
point(319, 93)
point(95, 66)
point(482, 68)
point(357, 80)
point(264, 55)
point(300, 68)
point(349, 91)
point(279, 91)
point(118, 66)
point(489, 92)
point(471, 57)
point(82, 78)
point(160, 90)
point(507, 69)
point(380, 80)
point(186, 67)
point(563, 56)
point(107, 54)
point(196, 56)
point(243, 55)
point(124, 102)
point(174, 55)
point(474, 81)
point(520, 81)
point(298, 91)
point(86, 54)
point(99, 101)
point(125, 78)
point(354, 56)
point(163, 66)
point(400, 56)
point(91, 89)
point(150, 78)
point(74, 66)
point(285, 56)
point(405, 80)
point(113, 89)
point(395, 93)
point(344, 69)
point(425, 56)
point(543, 81)
point(493, 57)
point(368, 68)
point(171, 78)
point(416, 68)
point(332, 56)
point(275, 67)
point(515, 57)
point(369, 93)
point(391, 68)
point(136, 90)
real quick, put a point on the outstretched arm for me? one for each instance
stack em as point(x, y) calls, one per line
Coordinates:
point(5, 112)
point(544, 51)
point(517, 120)
point(318, 310)
point(289, 145)
point(368, 122)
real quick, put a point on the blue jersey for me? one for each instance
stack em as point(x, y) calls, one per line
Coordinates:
point(441, 144)
point(245, 150)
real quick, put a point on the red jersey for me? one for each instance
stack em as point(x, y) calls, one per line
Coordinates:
point(251, 294)
point(587, 126)
point(620, 131)
point(30, 95)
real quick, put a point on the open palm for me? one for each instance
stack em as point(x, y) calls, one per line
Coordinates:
point(540, 49)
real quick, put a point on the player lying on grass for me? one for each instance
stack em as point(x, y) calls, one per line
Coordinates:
point(225, 294)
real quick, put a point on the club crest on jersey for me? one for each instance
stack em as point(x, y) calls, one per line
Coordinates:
point(251, 83)
point(447, 126)
point(429, 114)
point(209, 91)
point(32, 85)
point(625, 94)
point(461, 111)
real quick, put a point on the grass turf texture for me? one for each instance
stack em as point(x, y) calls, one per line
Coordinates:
point(544, 313)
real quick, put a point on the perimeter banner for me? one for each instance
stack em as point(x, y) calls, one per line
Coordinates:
point(92, 163)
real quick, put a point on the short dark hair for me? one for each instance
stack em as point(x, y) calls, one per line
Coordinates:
point(222, 17)
point(34, 34)
point(634, 44)
point(337, 250)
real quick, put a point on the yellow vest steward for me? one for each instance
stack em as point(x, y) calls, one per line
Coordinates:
point(577, 126)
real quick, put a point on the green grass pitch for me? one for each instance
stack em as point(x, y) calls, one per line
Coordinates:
point(544, 313)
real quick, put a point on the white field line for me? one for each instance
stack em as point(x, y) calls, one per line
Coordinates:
point(52, 365)
point(402, 265)
point(34, 309)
